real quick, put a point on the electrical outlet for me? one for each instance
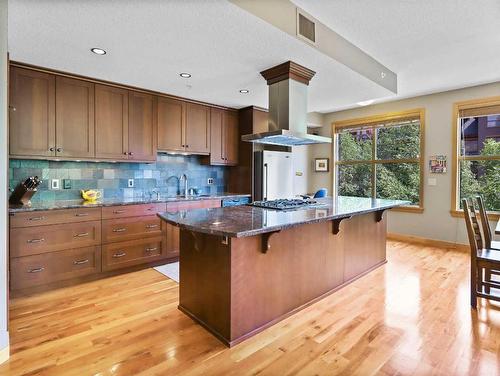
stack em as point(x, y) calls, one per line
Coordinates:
point(130, 183)
point(54, 184)
point(210, 181)
point(67, 183)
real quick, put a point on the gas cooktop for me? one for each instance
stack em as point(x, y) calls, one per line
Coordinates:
point(285, 204)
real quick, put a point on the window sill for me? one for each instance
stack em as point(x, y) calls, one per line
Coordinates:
point(409, 209)
point(492, 216)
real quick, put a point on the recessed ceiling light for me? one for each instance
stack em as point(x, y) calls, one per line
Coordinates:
point(98, 51)
point(244, 91)
point(185, 75)
point(366, 103)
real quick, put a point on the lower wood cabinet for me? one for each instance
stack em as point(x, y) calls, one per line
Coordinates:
point(132, 252)
point(130, 228)
point(50, 267)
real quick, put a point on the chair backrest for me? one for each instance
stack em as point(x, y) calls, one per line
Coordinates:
point(323, 192)
point(485, 224)
point(473, 232)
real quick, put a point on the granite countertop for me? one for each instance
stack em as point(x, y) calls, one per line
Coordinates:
point(69, 204)
point(245, 220)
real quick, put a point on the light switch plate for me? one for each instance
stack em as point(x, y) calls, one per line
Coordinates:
point(130, 183)
point(67, 183)
point(210, 181)
point(54, 184)
point(432, 181)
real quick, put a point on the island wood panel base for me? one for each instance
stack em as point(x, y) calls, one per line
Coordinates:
point(235, 290)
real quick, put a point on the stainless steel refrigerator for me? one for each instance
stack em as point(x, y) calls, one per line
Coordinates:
point(273, 175)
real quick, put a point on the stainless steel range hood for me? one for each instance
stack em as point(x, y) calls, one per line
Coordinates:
point(287, 108)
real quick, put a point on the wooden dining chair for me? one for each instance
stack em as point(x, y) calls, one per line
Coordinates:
point(485, 224)
point(482, 261)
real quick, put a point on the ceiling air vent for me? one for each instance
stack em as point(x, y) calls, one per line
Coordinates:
point(306, 28)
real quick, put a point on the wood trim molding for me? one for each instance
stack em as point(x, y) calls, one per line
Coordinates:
point(4, 354)
point(114, 84)
point(288, 70)
point(495, 216)
point(427, 242)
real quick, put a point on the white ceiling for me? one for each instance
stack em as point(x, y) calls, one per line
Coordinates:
point(431, 45)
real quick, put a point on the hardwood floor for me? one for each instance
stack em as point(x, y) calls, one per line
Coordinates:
point(409, 317)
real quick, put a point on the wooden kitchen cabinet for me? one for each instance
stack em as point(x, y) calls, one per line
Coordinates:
point(32, 113)
point(142, 133)
point(224, 137)
point(171, 118)
point(74, 118)
point(197, 129)
point(111, 122)
point(183, 126)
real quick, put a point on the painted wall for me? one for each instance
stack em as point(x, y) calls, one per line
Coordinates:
point(4, 337)
point(112, 178)
point(435, 222)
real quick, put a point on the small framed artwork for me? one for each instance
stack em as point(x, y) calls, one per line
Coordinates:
point(321, 165)
point(437, 164)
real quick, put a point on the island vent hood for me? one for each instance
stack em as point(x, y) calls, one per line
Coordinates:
point(287, 108)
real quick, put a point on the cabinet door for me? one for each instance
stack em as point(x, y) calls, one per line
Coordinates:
point(32, 113)
point(216, 137)
point(142, 133)
point(172, 234)
point(111, 122)
point(74, 118)
point(171, 120)
point(231, 137)
point(197, 128)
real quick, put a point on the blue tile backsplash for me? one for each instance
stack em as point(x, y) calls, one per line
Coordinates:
point(112, 178)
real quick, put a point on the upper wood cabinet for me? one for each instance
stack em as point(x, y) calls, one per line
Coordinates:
point(74, 118)
point(171, 123)
point(111, 122)
point(32, 113)
point(197, 130)
point(183, 126)
point(224, 137)
point(142, 132)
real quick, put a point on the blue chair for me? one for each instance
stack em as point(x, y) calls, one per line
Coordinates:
point(323, 192)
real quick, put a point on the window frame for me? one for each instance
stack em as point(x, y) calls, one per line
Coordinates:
point(456, 157)
point(374, 120)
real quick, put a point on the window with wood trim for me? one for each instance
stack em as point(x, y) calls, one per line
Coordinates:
point(381, 157)
point(476, 157)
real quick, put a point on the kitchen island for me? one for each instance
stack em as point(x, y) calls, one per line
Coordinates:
point(244, 268)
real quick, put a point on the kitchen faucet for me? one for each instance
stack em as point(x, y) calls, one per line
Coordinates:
point(184, 176)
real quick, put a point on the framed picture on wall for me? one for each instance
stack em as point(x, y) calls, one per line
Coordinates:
point(321, 164)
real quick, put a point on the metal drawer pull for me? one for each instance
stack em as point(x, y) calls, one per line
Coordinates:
point(36, 270)
point(118, 211)
point(80, 262)
point(81, 214)
point(36, 240)
point(37, 218)
point(81, 235)
point(121, 229)
point(152, 249)
point(117, 255)
point(151, 226)
point(151, 209)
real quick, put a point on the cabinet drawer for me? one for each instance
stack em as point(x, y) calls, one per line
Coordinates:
point(35, 240)
point(133, 252)
point(124, 211)
point(130, 228)
point(53, 217)
point(54, 266)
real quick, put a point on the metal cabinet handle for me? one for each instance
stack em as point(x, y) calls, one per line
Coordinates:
point(152, 249)
point(151, 226)
point(36, 270)
point(121, 229)
point(80, 262)
point(124, 153)
point(36, 218)
point(118, 255)
point(130, 153)
point(83, 234)
point(12, 108)
point(81, 214)
point(31, 241)
point(118, 211)
point(59, 150)
point(52, 149)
